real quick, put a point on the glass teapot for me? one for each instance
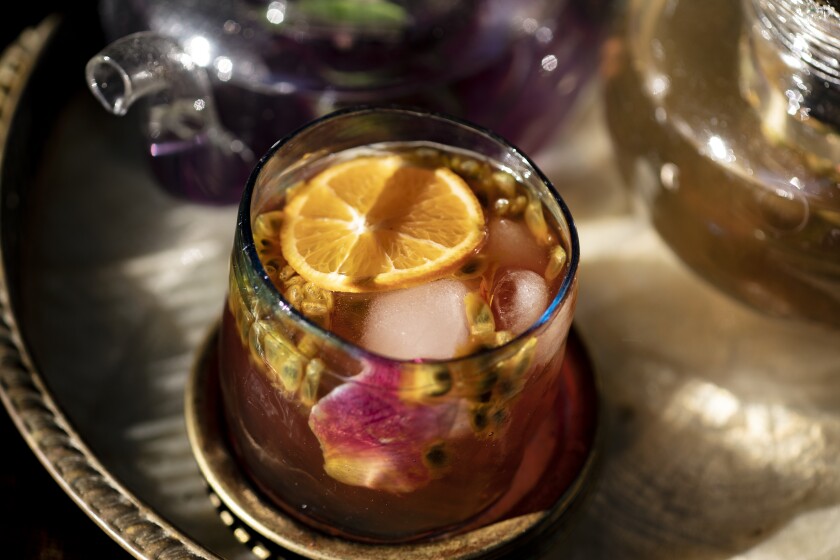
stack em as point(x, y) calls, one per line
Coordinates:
point(224, 79)
point(726, 119)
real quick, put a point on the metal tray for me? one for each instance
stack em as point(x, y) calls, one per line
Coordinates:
point(721, 427)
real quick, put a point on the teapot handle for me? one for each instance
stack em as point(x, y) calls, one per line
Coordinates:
point(198, 157)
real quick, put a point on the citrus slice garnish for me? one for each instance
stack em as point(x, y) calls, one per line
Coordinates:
point(378, 222)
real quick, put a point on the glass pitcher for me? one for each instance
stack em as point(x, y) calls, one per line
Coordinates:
point(726, 119)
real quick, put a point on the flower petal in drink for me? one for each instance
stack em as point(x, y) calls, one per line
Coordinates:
point(371, 437)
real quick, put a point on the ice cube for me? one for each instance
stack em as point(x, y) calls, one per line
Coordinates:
point(511, 244)
point(519, 298)
point(427, 321)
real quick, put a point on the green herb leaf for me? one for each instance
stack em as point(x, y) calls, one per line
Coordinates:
point(354, 12)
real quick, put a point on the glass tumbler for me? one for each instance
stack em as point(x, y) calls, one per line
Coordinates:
point(370, 447)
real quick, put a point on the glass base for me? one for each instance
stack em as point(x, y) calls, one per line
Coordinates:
point(271, 533)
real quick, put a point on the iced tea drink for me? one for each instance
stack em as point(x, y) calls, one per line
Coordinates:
point(401, 291)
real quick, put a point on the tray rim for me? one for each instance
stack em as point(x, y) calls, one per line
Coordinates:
point(30, 405)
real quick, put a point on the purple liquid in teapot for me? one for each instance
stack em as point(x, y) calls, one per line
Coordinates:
point(513, 67)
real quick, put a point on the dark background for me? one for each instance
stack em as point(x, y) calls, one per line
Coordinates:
point(25, 14)
point(37, 519)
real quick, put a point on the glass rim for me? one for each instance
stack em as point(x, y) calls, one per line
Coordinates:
point(356, 350)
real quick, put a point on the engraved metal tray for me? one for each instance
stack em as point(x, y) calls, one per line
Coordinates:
point(720, 429)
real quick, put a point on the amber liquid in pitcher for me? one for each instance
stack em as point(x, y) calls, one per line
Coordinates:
point(753, 212)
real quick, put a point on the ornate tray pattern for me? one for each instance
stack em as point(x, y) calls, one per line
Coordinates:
point(29, 402)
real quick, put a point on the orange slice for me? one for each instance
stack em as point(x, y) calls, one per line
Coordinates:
point(377, 223)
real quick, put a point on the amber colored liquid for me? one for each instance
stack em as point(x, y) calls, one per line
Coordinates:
point(487, 474)
point(283, 457)
point(749, 214)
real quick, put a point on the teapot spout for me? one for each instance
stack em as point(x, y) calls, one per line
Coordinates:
point(192, 153)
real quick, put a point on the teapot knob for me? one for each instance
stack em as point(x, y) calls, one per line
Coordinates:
point(191, 152)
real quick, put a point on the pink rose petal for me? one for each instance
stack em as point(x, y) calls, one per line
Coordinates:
point(372, 438)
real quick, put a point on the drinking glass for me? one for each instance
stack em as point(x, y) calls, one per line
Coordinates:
point(368, 447)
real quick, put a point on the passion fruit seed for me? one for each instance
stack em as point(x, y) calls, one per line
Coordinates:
point(294, 281)
point(500, 416)
point(479, 316)
point(535, 220)
point(505, 183)
point(480, 417)
point(556, 261)
point(486, 382)
point(502, 337)
point(427, 155)
point(286, 273)
point(453, 162)
point(518, 205)
point(315, 303)
point(271, 268)
point(501, 207)
point(318, 313)
point(489, 394)
point(511, 372)
point(311, 381)
point(294, 295)
point(422, 382)
point(285, 363)
point(267, 224)
point(266, 229)
point(436, 457)
point(241, 305)
point(308, 346)
point(288, 368)
point(473, 268)
point(470, 168)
